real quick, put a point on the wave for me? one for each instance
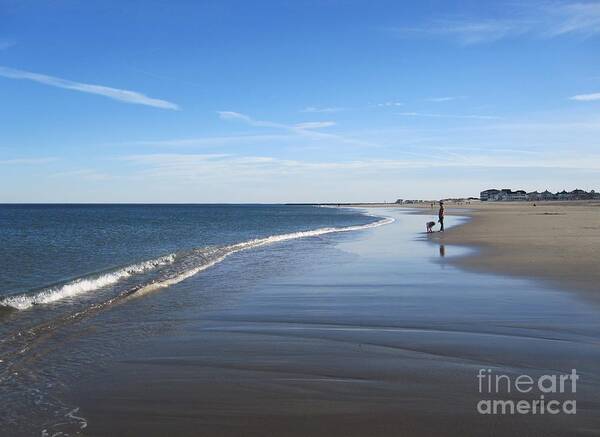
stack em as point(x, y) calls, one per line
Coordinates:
point(82, 285)
point(219, 255)
point(195, 262)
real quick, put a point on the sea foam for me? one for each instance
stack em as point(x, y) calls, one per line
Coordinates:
point(217, 255)
point(207, 257)
point(82, 285)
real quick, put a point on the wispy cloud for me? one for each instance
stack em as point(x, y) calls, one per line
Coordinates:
point(389, 104)
point(6, 44)
point(314, 125)
point(237, 116)
point(304, 129)
point(309, 125)
point(542, 20)
point(208, 141)
point(467, 116)
point(444, 99)
point(326, 109)
point(84, 174)
point(332, 109)
point(27, 161)
point(112, 93)
point(465, 32)
point(574, 18)
point(586, 97)
point(198, 167)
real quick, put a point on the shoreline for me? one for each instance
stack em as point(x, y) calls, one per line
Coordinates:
point(349, 335)
point(556, 242)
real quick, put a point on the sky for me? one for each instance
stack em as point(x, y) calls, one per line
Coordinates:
point(296, 100)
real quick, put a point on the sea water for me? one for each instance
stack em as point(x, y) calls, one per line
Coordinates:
point(64, 265)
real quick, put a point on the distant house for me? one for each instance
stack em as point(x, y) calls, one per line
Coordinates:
point(578, 194)
point(519, 195)
point(547, 195)
point(506, 194)
point(490, 195)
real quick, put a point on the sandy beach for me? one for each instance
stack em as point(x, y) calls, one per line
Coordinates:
point(374, 333)
point(557, 242)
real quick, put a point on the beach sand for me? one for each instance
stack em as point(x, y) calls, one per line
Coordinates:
point(554, 241)
point(374, 333)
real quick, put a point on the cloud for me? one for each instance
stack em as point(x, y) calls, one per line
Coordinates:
point(444, 99)
point(389, 104)
point(575, 18)
point(112, 93)
point(231, 115)
point(314, 124)
point(541, 20)
point(84, 174)
point(306, 129)
point(465, 32)
point(6, 44)
point(468, 116)
point(201, 167)
point(209, 141)
point(317, 109)
point(236, 116)
point(27, 161)
point(586, 97)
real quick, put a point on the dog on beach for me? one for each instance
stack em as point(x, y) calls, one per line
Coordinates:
point(430, 226)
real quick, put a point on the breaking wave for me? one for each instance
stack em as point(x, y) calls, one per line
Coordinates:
point(82, 285)
point(220, 254)
point(184, 266)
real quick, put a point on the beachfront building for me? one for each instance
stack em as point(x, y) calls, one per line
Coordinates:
point(547, 195)
point(489, 195)
point(519, 195)
point(579, 195)
point(506, 194)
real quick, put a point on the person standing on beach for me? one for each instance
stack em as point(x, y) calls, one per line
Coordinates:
point(441, 216)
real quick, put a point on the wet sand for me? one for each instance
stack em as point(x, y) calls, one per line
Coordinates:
point(373, 334)
point(554, 241)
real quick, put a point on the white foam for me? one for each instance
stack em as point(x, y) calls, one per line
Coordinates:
point(228, 250)
point(82, 285)
point(211, 257)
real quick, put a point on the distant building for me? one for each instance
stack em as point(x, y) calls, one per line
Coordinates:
point(519, 195)
point(489, 195)
point(547, 195)
point(578, 194)
point(506, 194)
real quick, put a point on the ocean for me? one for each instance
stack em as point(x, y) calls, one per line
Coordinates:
point(64, 265)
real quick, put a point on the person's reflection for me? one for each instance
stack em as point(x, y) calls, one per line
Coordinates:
point(442, 250)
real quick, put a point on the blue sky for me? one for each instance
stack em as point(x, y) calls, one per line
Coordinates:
point(301, 101)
